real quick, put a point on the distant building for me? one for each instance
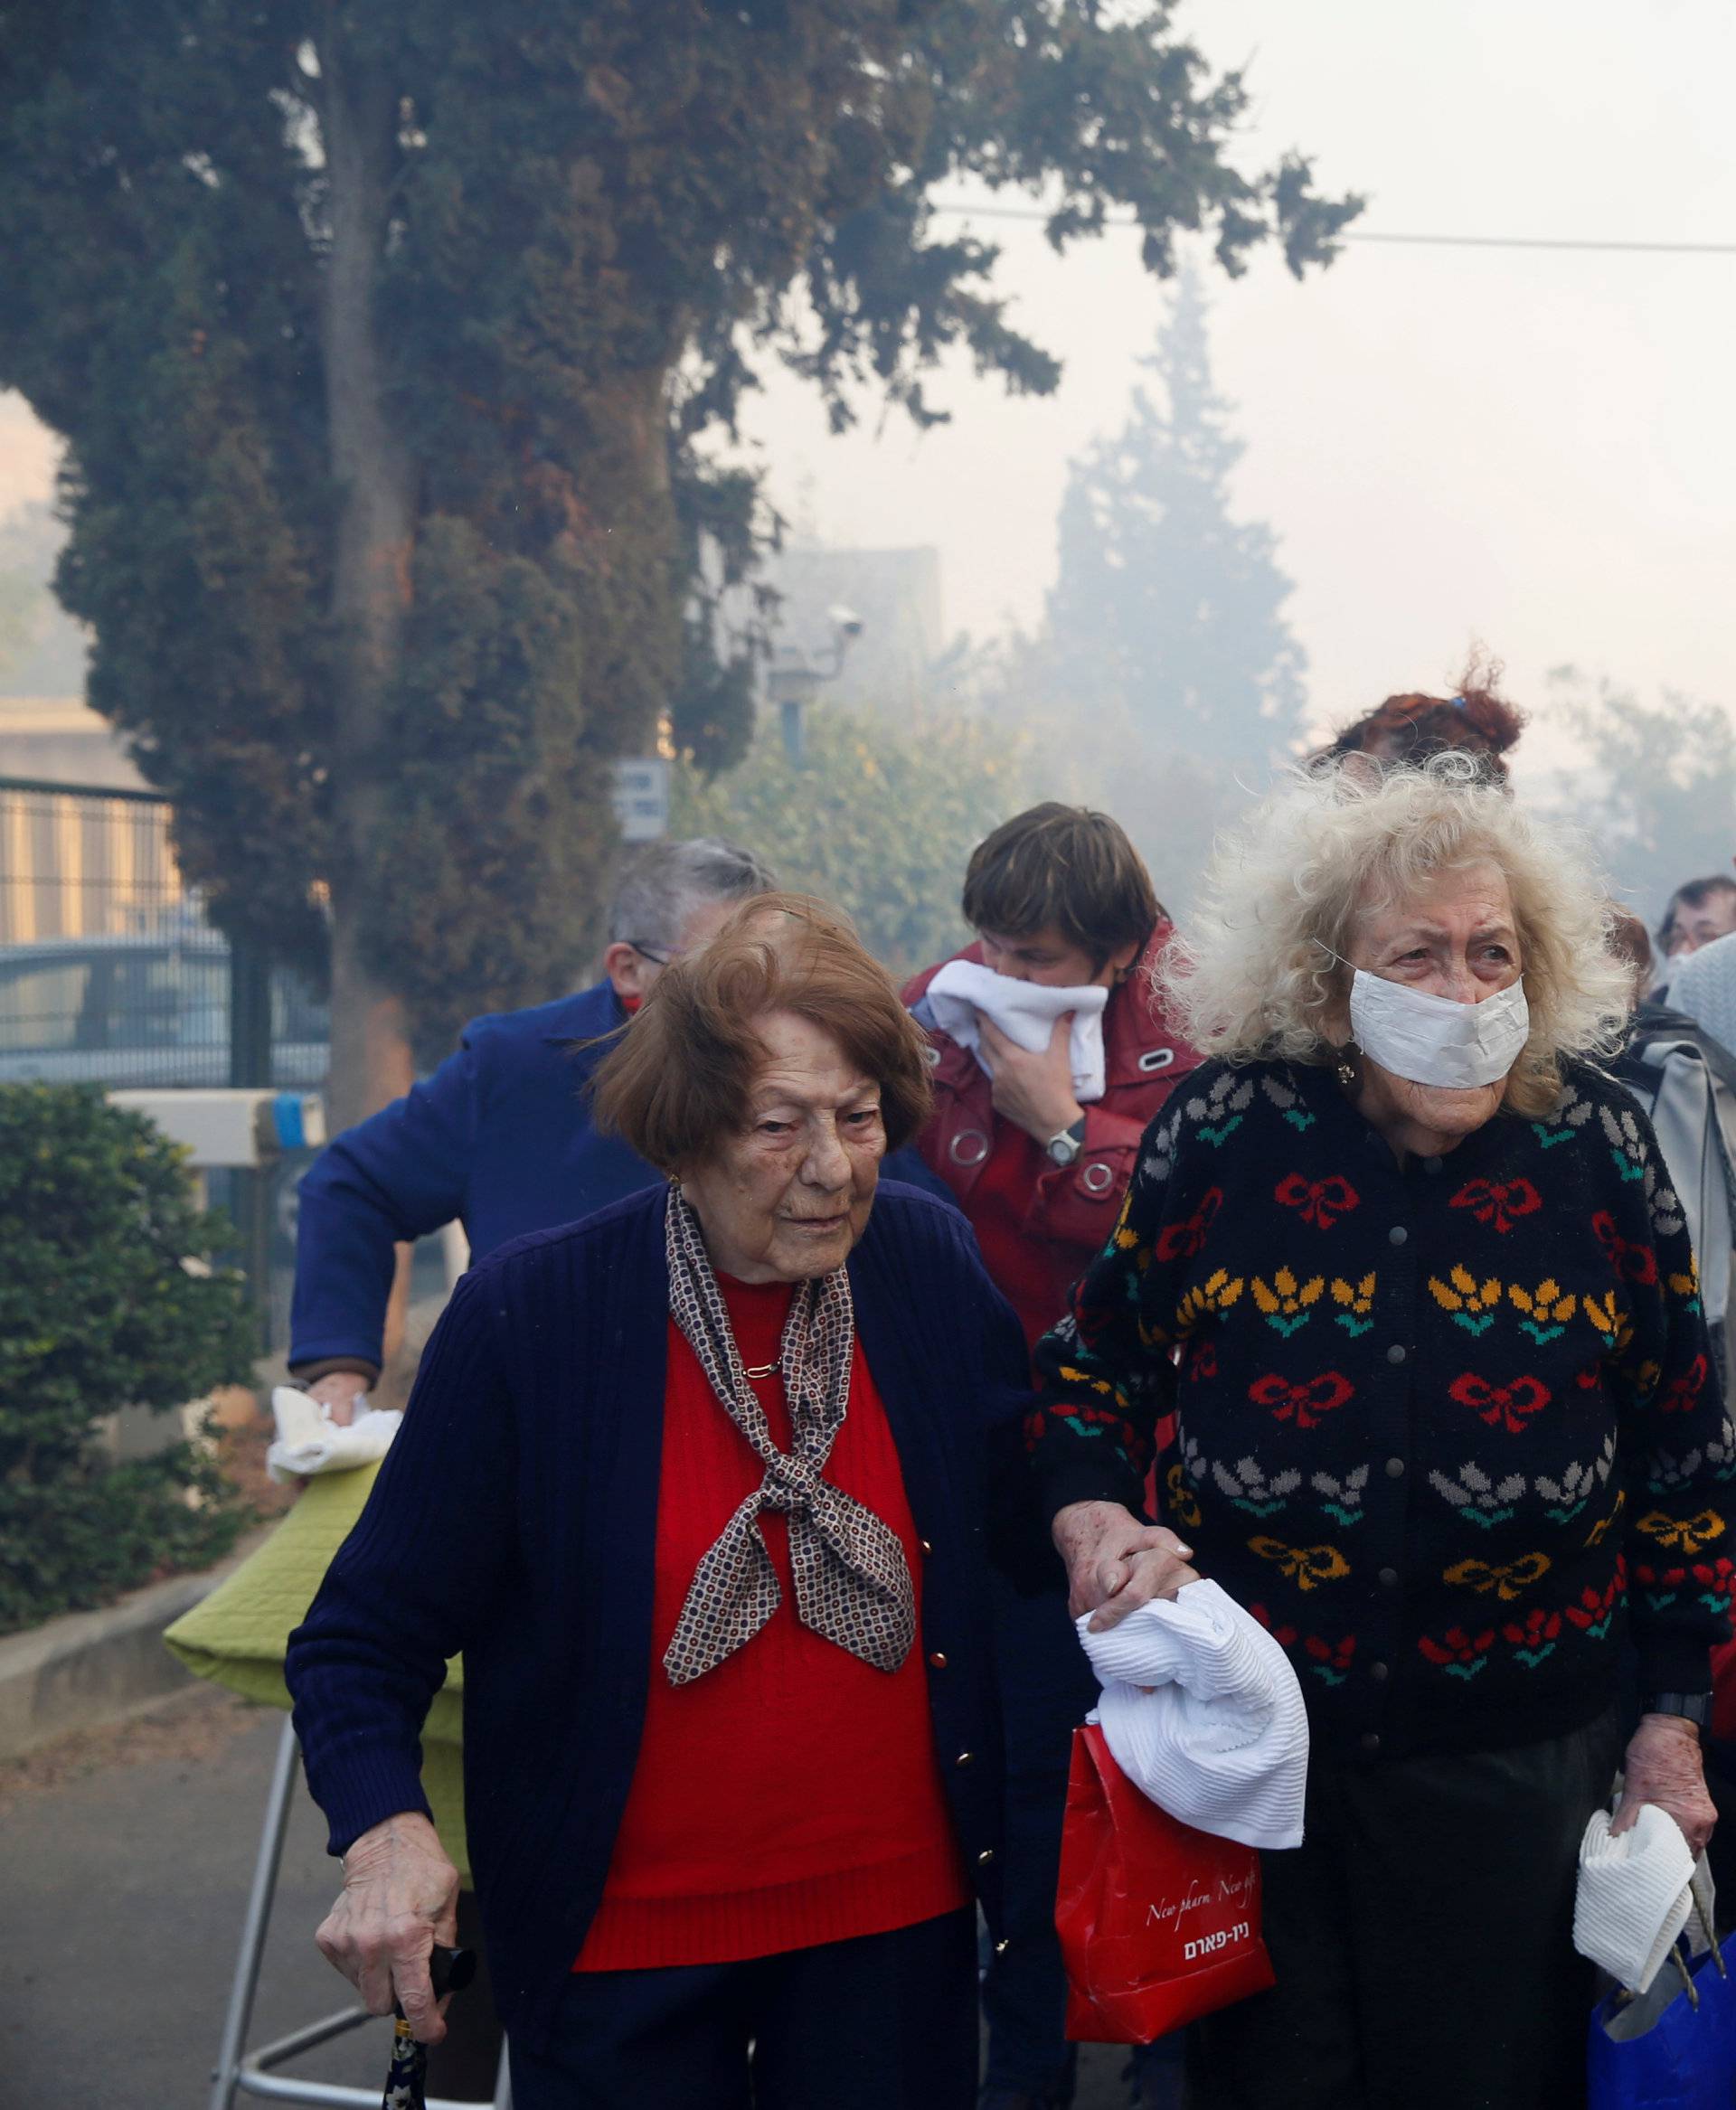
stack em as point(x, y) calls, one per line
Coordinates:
point(63, 740)
point(895, 593)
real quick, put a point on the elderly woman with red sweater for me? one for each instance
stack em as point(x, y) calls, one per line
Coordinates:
point(695, 1488)
point(1408, 1268)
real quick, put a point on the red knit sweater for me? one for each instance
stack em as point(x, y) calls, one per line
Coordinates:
point(791, 1796)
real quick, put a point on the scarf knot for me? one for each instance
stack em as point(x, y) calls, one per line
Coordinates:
point(853, 1583)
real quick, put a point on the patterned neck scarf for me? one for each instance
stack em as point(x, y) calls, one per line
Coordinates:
point(852, 1584)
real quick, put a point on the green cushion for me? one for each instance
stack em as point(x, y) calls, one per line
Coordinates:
point(237, 1635)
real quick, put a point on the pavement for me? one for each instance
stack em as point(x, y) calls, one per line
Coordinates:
point(124, 1857)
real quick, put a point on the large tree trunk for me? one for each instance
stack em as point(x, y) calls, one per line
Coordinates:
point(374, 474)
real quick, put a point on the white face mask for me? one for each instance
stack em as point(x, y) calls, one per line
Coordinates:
point(1434, 1039)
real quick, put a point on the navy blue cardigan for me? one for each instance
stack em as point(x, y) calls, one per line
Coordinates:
point(514, 1519)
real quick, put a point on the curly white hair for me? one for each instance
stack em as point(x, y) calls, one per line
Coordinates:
point(1262, 974)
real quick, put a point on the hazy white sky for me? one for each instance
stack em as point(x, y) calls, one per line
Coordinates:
point(1534, 449)
point(1537, 449)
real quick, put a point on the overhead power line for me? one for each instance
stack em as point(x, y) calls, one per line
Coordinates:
point(1451, 241)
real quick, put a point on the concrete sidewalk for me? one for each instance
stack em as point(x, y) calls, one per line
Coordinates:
point(124, 1865)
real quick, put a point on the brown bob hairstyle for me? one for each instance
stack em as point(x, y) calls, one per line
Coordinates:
point(1065, 866)
point(680, 1078)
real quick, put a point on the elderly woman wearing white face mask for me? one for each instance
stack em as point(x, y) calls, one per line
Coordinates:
point(1408, 1271)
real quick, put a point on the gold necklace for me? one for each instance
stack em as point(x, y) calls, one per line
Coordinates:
point(763, 1369)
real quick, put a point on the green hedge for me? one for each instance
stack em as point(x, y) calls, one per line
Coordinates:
point(106, 1300)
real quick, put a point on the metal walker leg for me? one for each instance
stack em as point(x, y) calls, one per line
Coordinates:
point(249, 2072)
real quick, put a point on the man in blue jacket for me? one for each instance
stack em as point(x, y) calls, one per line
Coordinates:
point(500, 1137)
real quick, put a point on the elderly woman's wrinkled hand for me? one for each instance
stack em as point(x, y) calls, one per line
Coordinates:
point(1115, 1563)
point(1663, 1766)
point(399, 1897)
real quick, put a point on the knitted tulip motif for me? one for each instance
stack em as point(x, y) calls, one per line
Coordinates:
point(1479, 1499)
point(1344, 1502)
point(1288, 1104)
point(1220, 1111)
point(1547, 1310)
point(1570, 1115)
point(1329, 1660)
point(1625, 1148)
point(1285, 1303)
point(1215, 1295)
point(1472, 1304)
point(1533, 1637)
point(1357, 1301)
point(1595, 1612)
point(1568, 1494)
point(1459, 1653)
point(1249, 1489)
point(1687, 1287)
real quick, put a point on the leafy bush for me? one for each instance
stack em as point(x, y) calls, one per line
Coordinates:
point(106, 1301)
point(878, 822)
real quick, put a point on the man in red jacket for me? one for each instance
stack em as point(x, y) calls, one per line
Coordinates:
point(1051, 1055)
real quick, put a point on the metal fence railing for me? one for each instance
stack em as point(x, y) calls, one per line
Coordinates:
point(109, 972)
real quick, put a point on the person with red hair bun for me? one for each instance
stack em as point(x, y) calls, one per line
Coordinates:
point(1407, 730)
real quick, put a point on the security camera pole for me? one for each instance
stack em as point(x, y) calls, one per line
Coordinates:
point(794, 682)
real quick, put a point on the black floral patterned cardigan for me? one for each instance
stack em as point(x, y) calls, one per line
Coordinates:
point(1444, 1429)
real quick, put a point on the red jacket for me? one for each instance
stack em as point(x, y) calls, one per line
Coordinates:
point(1071, 1210)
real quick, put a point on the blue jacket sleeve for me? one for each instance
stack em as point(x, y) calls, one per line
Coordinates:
point(417, 1576)
point(396, 1177)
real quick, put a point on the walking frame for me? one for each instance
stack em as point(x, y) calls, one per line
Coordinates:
point(252, 2073)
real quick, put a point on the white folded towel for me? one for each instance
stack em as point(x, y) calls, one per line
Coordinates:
point(309, 1441)
point(1634, 1895)
point(1202, 1712)
point(1025, 1011)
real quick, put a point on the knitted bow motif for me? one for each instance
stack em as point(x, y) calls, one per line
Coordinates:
point(1690, 1533)
point(853, 1583)
point(1304, 1565)
point(1510, 1580)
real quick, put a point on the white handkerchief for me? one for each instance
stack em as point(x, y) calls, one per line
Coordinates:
point(1025, 1011)
point(1633, 1898)
point(309, 1441)
point(1221, 1740)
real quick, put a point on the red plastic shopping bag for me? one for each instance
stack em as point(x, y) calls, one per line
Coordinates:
point(1159, 1923)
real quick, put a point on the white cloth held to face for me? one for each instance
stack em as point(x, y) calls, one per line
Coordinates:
point(1634, 1895)
point(309, 1441)
point(1202, 1712)
point(1025, 1011)
point(1436, 1040)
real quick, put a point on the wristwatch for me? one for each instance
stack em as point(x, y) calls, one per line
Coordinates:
point(1064, 1149)
point(1694, 1707)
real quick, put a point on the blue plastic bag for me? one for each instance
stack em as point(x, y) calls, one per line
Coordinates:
point(1668, 2049)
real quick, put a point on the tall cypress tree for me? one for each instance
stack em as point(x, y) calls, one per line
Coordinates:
point(1166, 619)
point(385, 338)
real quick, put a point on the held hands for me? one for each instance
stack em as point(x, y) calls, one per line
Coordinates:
point(1115, 1563)
point(1663, 1766)
point(399, 1897)
point(340, 1391)
point(1035, 1092)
